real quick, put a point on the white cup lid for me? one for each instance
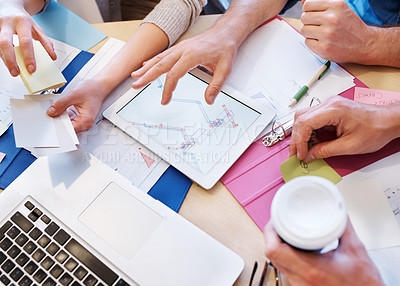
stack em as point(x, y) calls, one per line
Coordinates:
point(309, 212)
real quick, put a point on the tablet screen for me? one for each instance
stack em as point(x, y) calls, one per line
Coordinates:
point(200, 134)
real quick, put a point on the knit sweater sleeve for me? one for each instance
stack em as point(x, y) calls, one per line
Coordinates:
point(175, 16)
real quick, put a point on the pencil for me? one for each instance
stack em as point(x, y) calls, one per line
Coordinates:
point(320, 73)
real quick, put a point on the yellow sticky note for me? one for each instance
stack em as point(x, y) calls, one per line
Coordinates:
point(47, 74)
point(293, 168)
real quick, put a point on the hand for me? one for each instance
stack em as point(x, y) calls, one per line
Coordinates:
point(360, 128)
point(349, 264)
point(87, 98)
point(212, 49)
point(14, 19)
point(335, 32)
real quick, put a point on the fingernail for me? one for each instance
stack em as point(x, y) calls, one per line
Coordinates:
point(14, 72)
point(31, 68)
point(211, 98)
point(51, 110)
point(309, 158)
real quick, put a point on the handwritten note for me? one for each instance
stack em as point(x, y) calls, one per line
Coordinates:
point(376, 97)
point(293, 168)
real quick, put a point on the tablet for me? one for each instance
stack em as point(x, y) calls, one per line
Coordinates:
point(200, 140)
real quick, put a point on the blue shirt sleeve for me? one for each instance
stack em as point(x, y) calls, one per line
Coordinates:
point(289, 4)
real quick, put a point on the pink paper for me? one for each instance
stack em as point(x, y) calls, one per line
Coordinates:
point(375, 96)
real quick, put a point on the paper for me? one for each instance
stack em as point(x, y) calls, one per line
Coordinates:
point(47, 74)
point(375, 96)
point(64, 129)
point(273, 63)
point(60, 23)
point(388, 264)
point(293, 168)
point(32, 125)
point(13, 87)
point(3, 128)
point(386, 171)
point(370, 214)
point(2, 155)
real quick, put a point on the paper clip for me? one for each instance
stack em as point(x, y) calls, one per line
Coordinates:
point(282, 131)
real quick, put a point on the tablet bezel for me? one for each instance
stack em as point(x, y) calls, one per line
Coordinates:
point(209, 179)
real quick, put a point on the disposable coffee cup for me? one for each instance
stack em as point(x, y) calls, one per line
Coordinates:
point(309, 213)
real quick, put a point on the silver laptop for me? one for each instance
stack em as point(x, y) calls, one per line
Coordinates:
point(71, 220)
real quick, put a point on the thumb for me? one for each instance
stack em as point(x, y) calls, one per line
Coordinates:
point(216, 84)
point(327, 149)
point(59, 107)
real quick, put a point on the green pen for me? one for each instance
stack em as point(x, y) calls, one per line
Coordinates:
point(320, 73)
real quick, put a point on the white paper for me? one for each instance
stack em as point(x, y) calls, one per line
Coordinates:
point(66, 142)
point(370, 214)
point(32, 125)
point(273, 63)
point(64, 128)
point(388, 264)
point(126, 156)
point(386, 171)
point(65, 131)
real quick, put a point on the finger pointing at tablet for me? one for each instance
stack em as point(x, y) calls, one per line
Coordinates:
point(204, 50)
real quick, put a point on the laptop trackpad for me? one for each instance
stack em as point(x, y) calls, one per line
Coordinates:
point(120, 219)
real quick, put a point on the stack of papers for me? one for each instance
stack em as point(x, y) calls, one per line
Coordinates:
point(39, 133)
point(273, 63)
point(47, 75)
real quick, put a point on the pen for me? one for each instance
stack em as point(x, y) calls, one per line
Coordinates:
point(320, 73)
point(263, 273)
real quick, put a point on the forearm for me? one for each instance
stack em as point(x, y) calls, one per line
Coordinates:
point(383, 47)
point(244, 16)
point(145, 43)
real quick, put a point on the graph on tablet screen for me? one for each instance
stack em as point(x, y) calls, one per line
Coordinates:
point(198, 133)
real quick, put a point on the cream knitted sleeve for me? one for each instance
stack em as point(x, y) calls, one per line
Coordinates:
point(175, 16)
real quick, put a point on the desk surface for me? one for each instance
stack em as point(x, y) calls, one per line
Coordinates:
point(216, 211)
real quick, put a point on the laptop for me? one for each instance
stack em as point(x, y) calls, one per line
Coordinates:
point(71, 220)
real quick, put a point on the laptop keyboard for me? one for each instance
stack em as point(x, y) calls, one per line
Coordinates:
point(35, 250)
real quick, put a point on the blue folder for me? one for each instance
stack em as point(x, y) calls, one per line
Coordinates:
point(15, 161)
point(61, 24)
point(171, 188)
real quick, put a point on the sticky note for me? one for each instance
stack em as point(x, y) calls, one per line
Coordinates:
point(375, 96)
point(293, 168)
point(47, 74)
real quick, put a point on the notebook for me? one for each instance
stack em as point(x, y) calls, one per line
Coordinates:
point(71, 220)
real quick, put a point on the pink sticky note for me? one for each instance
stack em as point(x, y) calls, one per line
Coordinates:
point(2, 155)
point(376, 97)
